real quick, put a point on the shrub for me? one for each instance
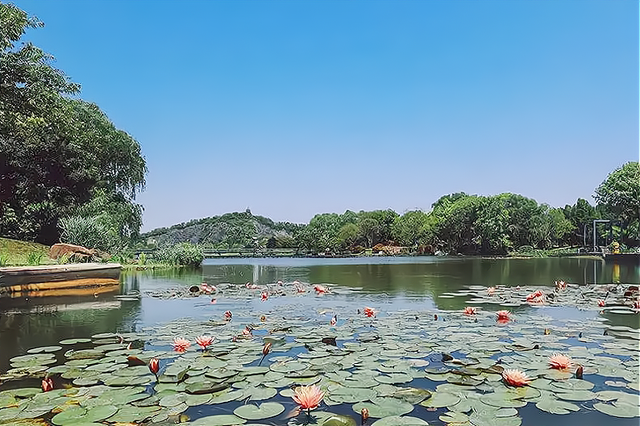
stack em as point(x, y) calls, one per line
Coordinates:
point(89, 232)
point(4, 259)
point(186, 254)
point(142, 259)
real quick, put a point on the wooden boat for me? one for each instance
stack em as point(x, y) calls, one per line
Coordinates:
point(40, 280)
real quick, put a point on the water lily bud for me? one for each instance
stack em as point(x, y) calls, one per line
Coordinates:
point(266, 348)
point(365, 415)
point(579, 372)
point(547, 331)
point(47, 384)
point(154, 365)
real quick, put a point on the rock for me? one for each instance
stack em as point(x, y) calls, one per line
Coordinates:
point(74, 252)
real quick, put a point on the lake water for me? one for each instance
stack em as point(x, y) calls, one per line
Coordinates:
point(395, 284)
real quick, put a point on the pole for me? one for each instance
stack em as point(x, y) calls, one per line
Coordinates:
point(594, 231)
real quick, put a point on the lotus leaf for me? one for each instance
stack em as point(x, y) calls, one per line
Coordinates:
point(257, 412)
point(384, 407)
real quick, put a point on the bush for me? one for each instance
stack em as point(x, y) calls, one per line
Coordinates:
point(4, 259)
point(185, 254)
point(89, 232)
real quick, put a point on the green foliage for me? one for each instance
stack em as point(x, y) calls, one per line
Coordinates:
point(618, 196)
point(4, 259)
point(142, 259)
point(89, 232)
point(86, 156)
point(64, 259)
point(185, 254)
point(34, 258)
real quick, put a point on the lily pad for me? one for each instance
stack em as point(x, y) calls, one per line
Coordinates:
point(259, 412)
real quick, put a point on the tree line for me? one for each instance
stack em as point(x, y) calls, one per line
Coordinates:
point(457, 223)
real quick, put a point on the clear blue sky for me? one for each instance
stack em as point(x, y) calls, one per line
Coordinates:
point(293, 108)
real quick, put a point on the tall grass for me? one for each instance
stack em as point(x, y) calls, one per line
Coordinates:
point(34, 258)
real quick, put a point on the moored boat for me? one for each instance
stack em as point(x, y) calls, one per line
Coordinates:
point(38, 280)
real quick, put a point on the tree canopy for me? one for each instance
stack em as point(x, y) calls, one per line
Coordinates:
point(619, 197)
point(59, 155)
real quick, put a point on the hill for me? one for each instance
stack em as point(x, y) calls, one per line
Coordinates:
point(231, 230)
point(13, 252)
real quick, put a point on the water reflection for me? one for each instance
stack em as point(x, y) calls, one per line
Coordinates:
point(418, 283)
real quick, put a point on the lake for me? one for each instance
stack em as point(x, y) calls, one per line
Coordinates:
point(398, 288)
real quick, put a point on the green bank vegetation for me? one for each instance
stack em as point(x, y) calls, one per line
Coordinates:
point(504, 224)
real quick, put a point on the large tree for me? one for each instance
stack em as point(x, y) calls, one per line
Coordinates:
point(619, 197)
point(57, 153)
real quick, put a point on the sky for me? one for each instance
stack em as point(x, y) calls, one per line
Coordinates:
point(293, 108)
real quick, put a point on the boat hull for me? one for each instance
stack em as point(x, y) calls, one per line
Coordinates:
point(41, 280)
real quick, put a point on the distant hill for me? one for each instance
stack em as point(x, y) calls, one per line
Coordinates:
point(231, 230)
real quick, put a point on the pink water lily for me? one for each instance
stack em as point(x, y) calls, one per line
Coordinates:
point(469, 310)
point(560, 361)
point(180, 344)
point(204, 341)
point(308, 397)
point(515, 377)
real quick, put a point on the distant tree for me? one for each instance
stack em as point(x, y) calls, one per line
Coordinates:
point(411, 228)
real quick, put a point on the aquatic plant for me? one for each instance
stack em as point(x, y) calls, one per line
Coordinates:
point(204, 341)
point(180, 344)
point(515, 377)
point(560, 362)
point(308, 397)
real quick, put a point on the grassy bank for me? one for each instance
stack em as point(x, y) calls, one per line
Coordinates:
point(21, 253)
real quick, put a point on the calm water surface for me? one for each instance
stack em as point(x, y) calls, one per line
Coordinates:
point(386, 283)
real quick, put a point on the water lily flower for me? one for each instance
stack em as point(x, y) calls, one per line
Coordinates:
point(247, 332)
point(47, 384)
point(491, 290)
point(469, 310)
point(636, 304)
point(503, 315)
point(561, 284)
point(370, 312)
point(180, 344)
point(264, 296)
point(251, 286)
point(308, 397)
point(228, 315)
point(334, 320)
point(601, 303)
point(560, 361)
point(320, 289)
point(154, 366)
point(515, 377)
point(204, 341)
point(579, 372)
point(280, 282)
point(535, 295)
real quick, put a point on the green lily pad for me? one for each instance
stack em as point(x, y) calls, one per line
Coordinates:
point(618, 409)
point(384, 407)
point(218, 420)
point(555, 406)
point(400, 421)
point(441, 399)
point(259, 412)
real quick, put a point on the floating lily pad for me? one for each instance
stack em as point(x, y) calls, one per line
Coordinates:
point(258, 412)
